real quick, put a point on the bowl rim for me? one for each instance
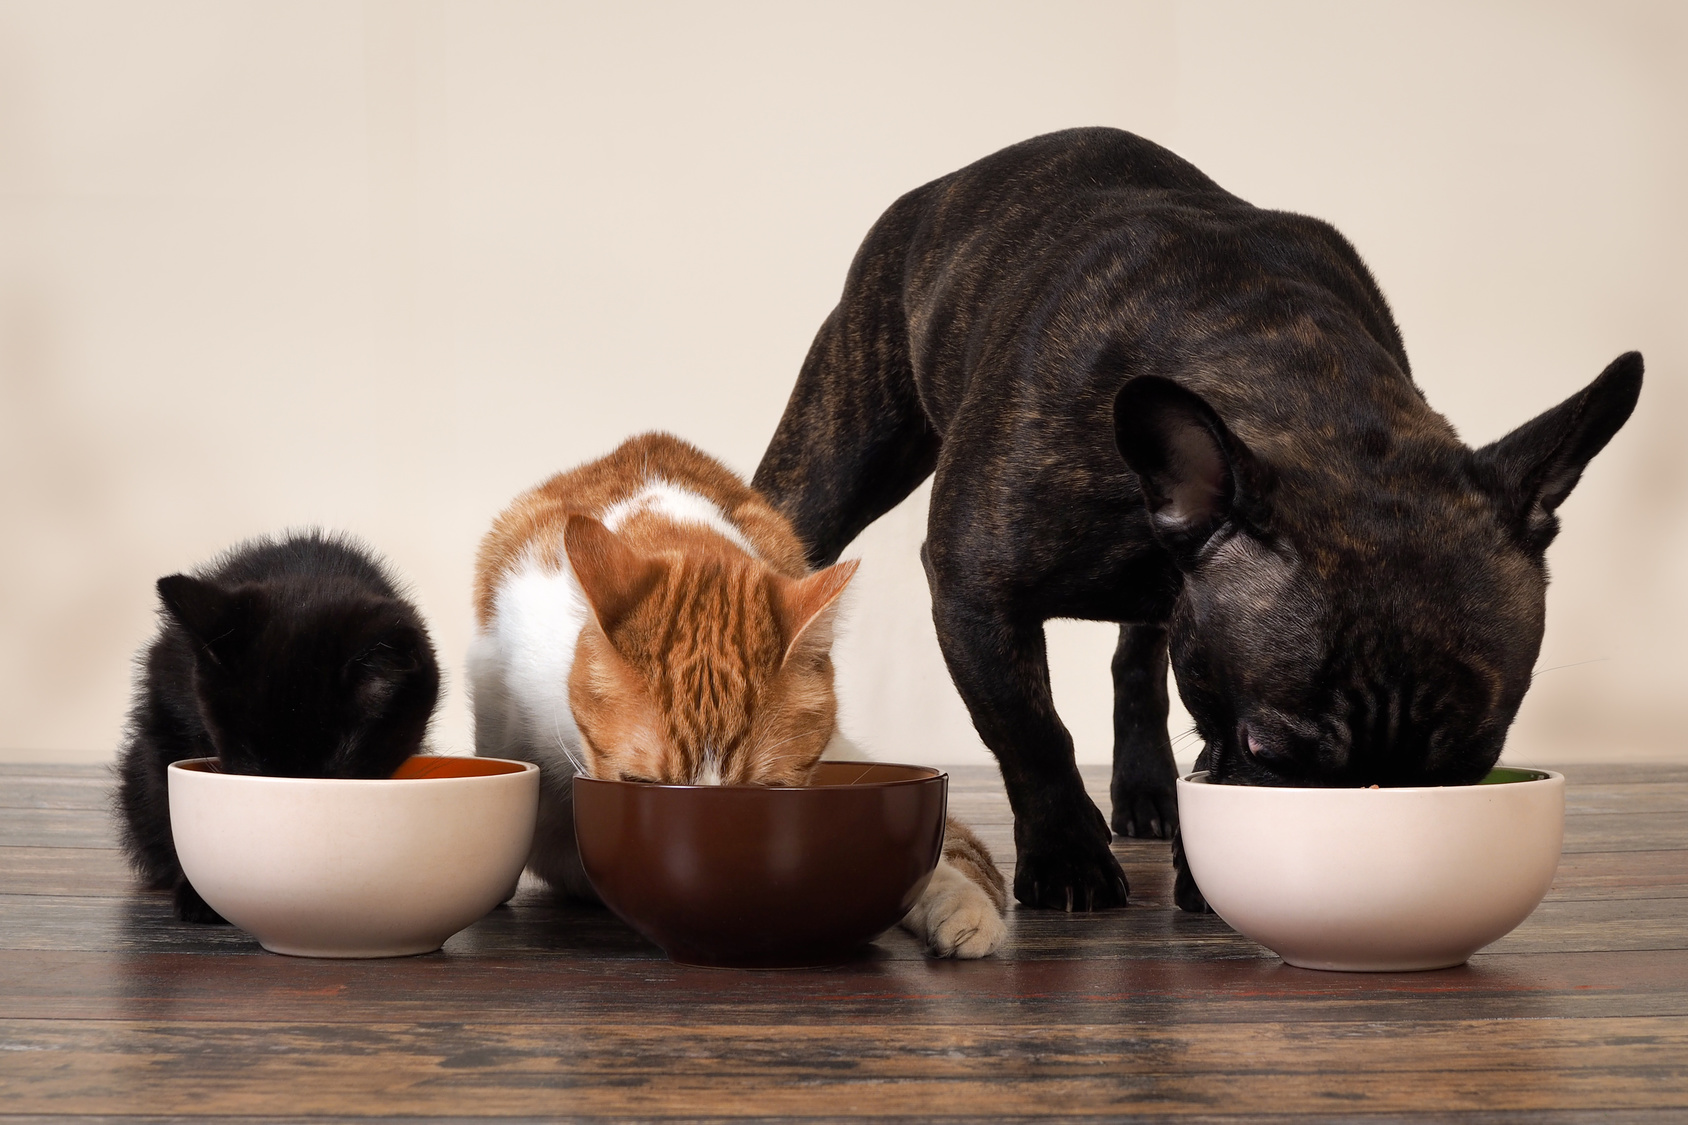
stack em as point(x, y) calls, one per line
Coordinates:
point(933, 773)
point(1200, 777)
point(184, 766)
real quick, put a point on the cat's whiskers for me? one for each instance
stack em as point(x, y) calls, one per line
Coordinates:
point(764, 748)
point(562, 744)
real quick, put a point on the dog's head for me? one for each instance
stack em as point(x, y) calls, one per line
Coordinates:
point(1373, 623)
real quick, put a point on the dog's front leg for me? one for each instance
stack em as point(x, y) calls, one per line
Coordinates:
point(1062, 859)
point(1185, 893)
point(1143, 786)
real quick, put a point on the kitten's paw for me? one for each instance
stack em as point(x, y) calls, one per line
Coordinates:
point(956, 918)
point(191, 908)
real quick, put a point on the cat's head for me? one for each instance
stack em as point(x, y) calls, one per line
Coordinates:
point(1384, 634)
point(315, 678)
point(700, 668)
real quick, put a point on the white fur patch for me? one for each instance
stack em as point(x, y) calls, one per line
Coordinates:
point(679, 505)
point(519, 670)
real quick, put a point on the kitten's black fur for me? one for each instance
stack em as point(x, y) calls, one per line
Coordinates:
point(292, 658)
point(1146, 401)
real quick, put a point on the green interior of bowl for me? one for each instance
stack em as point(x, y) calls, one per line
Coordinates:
point(1503, 775)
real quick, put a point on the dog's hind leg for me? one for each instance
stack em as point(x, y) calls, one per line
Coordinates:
point(854, 439)
point(1145, 804)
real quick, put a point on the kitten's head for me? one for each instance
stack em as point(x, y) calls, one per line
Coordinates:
point(700, 668)
point(1366, 624)
point(317, 678)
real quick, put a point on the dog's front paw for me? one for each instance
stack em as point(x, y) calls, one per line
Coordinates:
point(1185, 893)
point(955, 917)
point(191, 908)
point(1146, 812)
point(1077, 878)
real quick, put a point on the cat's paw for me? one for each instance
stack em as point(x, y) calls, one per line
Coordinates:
point(956, 918)
point(191, 908)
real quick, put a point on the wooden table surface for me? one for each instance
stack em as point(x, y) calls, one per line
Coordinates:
point(110, 1009)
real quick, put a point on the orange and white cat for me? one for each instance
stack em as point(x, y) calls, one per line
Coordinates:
point(649, 617)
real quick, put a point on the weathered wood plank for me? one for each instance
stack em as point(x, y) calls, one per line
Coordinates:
point(1436, 1066)
point(1142, 1014)
point(55, 793)
point(54, 769)
point(538, 928)
point(444, 987)
point(1665, 797)
point(1489, 1117)
point(1586, 875)
point(76, 871)
point(1620, 773)
point(57, 828)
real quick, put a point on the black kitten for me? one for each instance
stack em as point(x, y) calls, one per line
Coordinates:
point(296, 658)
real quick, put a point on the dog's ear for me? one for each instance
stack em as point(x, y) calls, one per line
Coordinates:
point(1197, 475)
point(1535, 467)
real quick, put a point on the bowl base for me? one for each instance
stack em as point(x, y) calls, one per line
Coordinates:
point(340, 954)
point(1422, 966)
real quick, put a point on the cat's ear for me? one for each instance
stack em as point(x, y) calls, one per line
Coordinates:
point(1196, 474)
point(1536, 466)
point(613, 576)
point(402, 660)
point(209, 613)
point(806, 608)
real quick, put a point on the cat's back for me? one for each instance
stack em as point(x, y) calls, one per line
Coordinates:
point(654, 483)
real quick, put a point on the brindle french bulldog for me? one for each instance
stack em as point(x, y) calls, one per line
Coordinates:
point(1147, 401)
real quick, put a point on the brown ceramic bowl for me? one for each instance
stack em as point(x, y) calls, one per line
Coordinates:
point(754, 876)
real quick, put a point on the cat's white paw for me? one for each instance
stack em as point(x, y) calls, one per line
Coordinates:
point(955, 917)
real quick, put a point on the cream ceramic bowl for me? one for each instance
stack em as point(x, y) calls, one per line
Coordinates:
point(317, 867)
point(1375, 880)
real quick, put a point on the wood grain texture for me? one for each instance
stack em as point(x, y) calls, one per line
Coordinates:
point(112, 1011)
point(1438, 1066)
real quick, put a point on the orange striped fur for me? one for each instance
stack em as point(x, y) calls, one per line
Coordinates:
point(700, 660)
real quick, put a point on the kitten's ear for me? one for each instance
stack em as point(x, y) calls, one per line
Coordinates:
point(207, 611)
point(806, 608)
point(402, 660)
point(1537, 465)
point(1196, 474)
point(611, 574)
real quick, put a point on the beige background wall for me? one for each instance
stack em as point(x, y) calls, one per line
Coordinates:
point(381, 266)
